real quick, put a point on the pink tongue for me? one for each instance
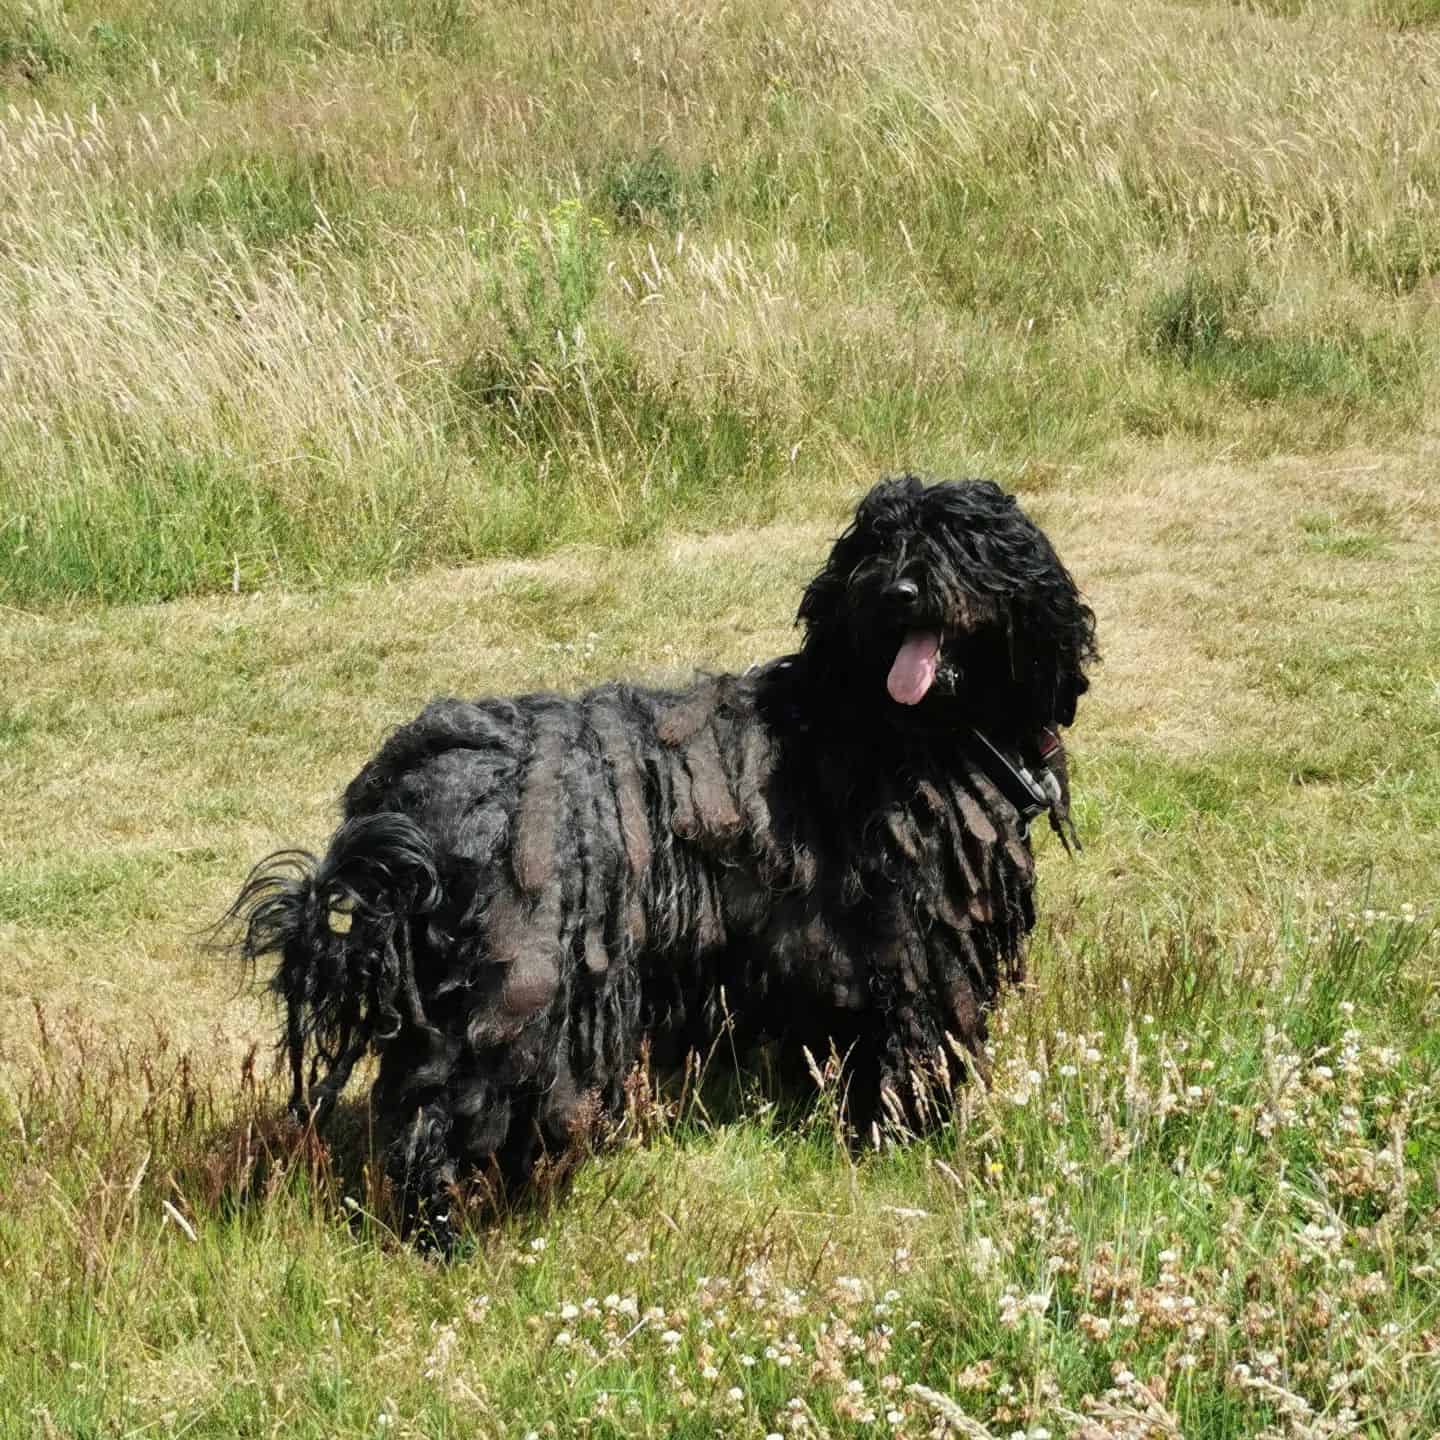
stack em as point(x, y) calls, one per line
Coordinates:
point(913, 672)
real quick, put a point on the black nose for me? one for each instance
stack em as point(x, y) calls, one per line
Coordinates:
point(902, 592)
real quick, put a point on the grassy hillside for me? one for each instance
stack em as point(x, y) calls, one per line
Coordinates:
point(304, 305)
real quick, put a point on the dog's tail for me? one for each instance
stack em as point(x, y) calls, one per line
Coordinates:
point(341, 927)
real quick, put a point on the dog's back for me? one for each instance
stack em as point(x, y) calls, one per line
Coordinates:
point(573, 841)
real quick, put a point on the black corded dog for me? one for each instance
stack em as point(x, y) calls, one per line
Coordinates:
point(828, 851)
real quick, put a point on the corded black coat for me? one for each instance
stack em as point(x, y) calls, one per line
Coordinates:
point(524, 890)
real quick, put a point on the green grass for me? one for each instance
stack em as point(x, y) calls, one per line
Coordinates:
point(76, 898)
point(1196, 326)
point(307, 308)
point(260, 201)
point(1210, 1215)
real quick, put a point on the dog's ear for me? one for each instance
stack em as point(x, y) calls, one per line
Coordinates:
point(1067, 695)
point(825, 593)
point(1068, 625)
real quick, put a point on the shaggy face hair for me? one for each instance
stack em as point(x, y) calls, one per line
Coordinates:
point(830, 850)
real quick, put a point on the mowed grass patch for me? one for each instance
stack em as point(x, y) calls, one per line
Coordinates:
point(1261, 711)
point(323, 295)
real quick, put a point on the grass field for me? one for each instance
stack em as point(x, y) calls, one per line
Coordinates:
point(356, 352)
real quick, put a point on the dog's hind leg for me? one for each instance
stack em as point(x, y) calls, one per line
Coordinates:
point(422, 1167)
point(457, 1115)
point(414, 1100)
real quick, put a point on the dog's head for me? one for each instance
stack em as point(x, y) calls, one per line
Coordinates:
point(944, 604)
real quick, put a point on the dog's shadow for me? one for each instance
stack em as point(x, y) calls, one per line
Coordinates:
point(263, 1155)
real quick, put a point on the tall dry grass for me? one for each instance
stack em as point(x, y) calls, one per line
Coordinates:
point(294, 292)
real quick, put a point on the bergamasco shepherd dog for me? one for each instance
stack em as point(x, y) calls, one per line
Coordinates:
point(828, 853)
